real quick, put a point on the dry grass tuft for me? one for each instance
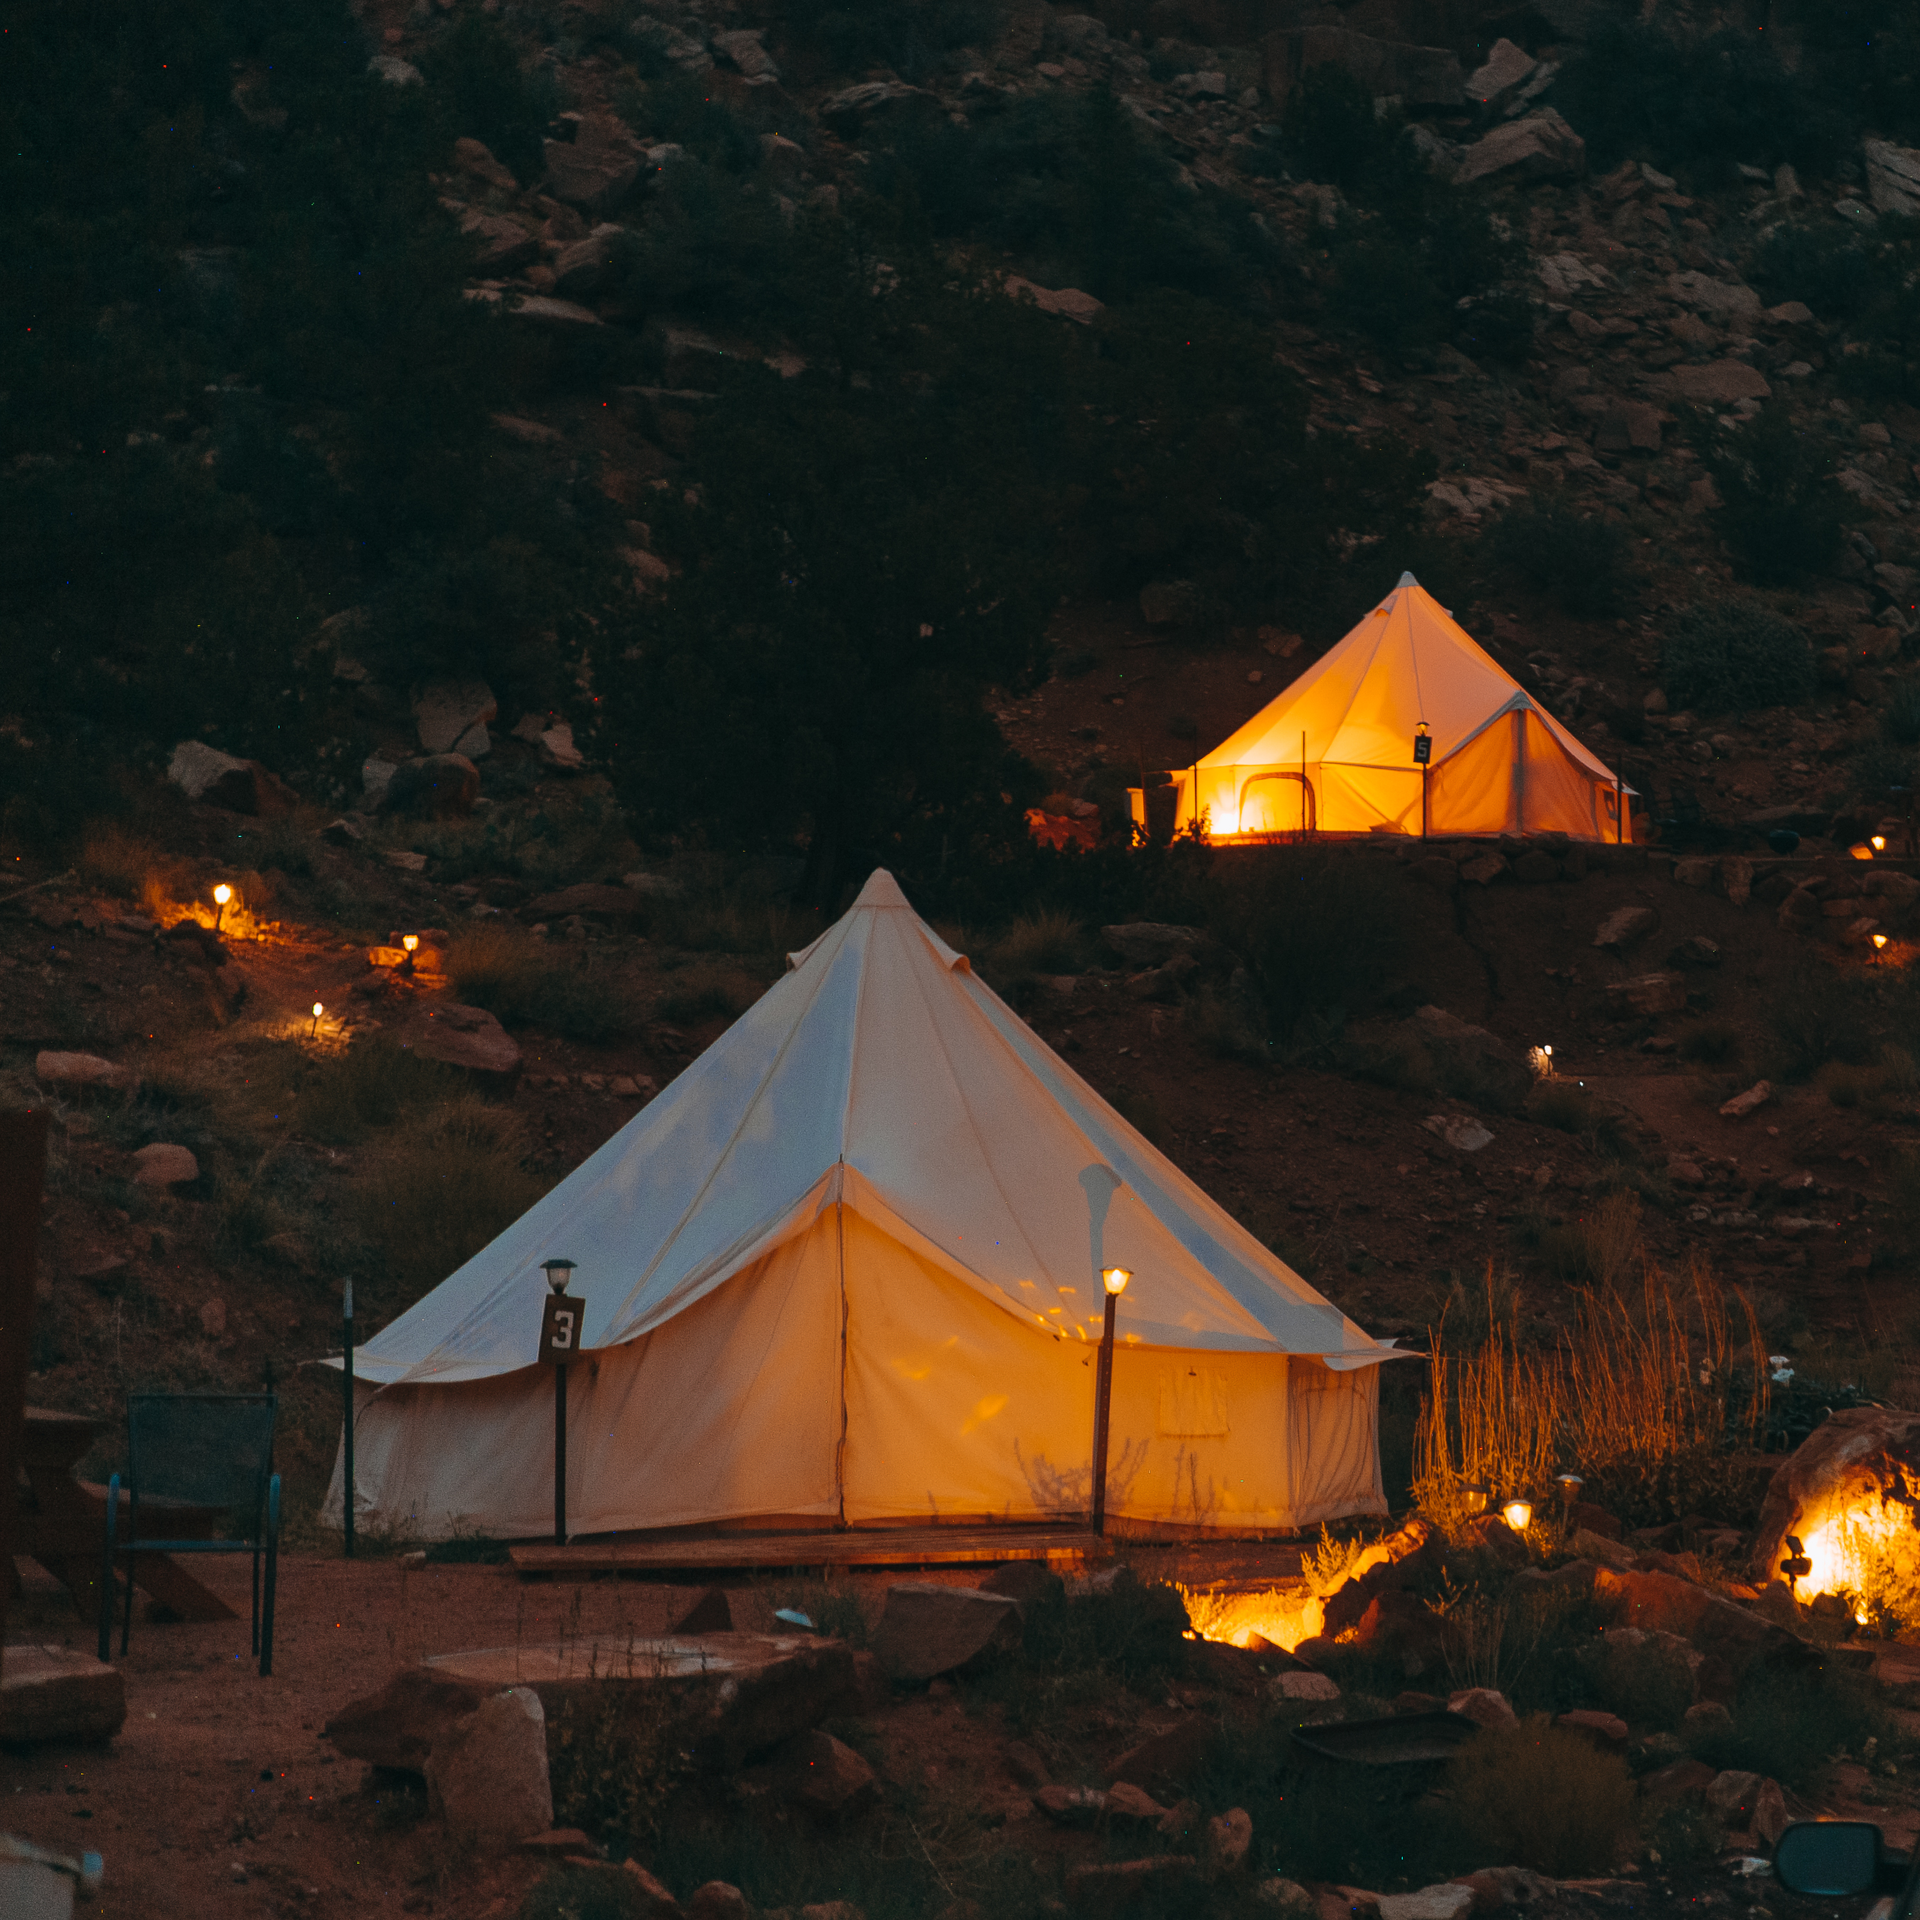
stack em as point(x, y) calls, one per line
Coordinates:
point(525, 981)
point(1535, 1794)
point(1640, 1398)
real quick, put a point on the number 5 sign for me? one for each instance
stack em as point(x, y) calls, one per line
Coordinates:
point(560, 1329)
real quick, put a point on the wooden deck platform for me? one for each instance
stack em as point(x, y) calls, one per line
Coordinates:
point(1059, 1547)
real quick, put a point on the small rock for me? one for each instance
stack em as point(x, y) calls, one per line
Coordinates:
point(556, 1842)
point(1730, 1797)
point(79, 1070)
point(819, 1775)
point(1304, 1689)
point(1071, 1806)
point(467, 1037)
point(1125, 1801)
point(1484, 868)
point(1649, 993)
point(1743, 1104)
point(1698, 871)
point(1540, 146)
point(1485, 1706)
point(1704, 1719)
point(717, 1900)
point(1285, 1897)
point(488, 1778)
point(1697, 951)
point(1769, 1812)
point(1228, 1840)
point(1447, 1901)
point(164, 1165)
point(927, 1629)
point(1459, 1130)
point(1624, 926)
point(648, 1896)
point(1606, 1731)
point(395, 71)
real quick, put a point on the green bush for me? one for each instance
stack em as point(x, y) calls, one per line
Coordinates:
point(1734, 653)
point(1791, 1725)
point(1783, 511)
point(1542, 1797)
point(1579, 560)
point(525, 981)
point(1318, 929)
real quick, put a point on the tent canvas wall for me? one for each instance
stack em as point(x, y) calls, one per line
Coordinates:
point(1334, 752)
point(844, 1271)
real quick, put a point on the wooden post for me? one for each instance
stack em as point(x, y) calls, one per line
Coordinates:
point(23, 1159)
point(1103, 1400)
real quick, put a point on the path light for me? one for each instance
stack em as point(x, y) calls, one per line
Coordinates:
point(412, 944)
point(1114, 1280)
point(1474, 1496)
point(318, 1010)
point(1568, 1485)
point(221, 895)
point(1518, 1514)
point(1879, 942)
point(1878, 843)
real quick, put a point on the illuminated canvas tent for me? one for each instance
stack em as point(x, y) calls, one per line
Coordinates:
point(1334, 753)
point(844, 1270)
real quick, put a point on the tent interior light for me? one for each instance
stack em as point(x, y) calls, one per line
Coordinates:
point(1518, 1514)
point(1115, 1279)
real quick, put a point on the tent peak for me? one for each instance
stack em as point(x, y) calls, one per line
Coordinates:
point(881, 890)
point(1405, 580)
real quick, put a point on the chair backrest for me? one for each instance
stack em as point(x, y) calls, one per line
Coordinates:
point(202, 1450)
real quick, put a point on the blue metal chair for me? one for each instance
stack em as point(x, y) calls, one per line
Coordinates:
point(199, 1450)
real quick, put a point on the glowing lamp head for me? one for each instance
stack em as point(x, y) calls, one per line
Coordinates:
point(1879, 941)
point(318, 1009)
point(411, 943)
point(1473, 1496)
point(1878, 843)
point(1569, 1485)
point(1115, 1279)
point(558, 1272)
point(222, 893)
point(1518, 1514)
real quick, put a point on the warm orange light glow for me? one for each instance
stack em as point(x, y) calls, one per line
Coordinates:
point(1860, 850)
point(1879, 940)
point(318, 1010)
point(411, 942)
point(1878, 843)
point(1518, 1514)
point(1115, 1279)
point(223, 893)
point(1281, 1617)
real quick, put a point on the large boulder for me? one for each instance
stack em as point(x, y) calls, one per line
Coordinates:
point(219, 779)
point(1467, 1060)
point(926, 1629)
point(1666, 1603)
point(80, 1072)
point(58, 1693)
point(487, 1776)
point(399, 1726)
point(598, 167)
point(1393, 1562)
point(449, 712)
point(1719, 383)
point(1860, 1468)
point(723, 1697)
point(1893, 178)
point(440, 786)
point(1540, 146)
point(469, 1038)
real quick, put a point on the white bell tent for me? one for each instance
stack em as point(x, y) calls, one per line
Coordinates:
point(845, 1271)
point(1334, 752)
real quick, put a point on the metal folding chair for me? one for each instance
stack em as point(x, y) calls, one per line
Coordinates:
point(200, 1450)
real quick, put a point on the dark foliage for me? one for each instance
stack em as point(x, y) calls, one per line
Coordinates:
point(1784, 511)
point(1734, 653)
point(1578, 559)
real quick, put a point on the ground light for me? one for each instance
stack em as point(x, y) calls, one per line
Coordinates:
point(1474, 1496)
point(559, 1348)
point(1114, 1280)
point(314, 1030)
point(1568, 1486)
point(1518, 1514)
point(221, 895)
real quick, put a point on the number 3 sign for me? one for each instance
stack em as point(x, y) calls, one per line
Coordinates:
point(560, 1329)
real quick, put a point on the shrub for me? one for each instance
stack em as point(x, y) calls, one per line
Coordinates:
point(1562, 1104)
point(1791, 1724)
point(1338, 137)
point(702, 994)
point(1734, 653)
point(1900, 718)
point(1783, 510)
point(1578, 559)
point(1044, 942)
point(1817, 1018)
point(442, 1187)
point(1710, 1042)
point(122, 862)
point(351, 1094)
point(1318, 929)
point(525, 981)
point(1536, 1794)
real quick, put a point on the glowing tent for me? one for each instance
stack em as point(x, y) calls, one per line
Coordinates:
point(844, 1271)
point(1335, 753)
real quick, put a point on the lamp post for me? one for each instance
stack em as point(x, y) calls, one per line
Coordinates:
point(559, 1348)
point(313, 1033)
point(346, 1387)
point(1423, 758)
point(1114, 1280)
point(221, 895)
